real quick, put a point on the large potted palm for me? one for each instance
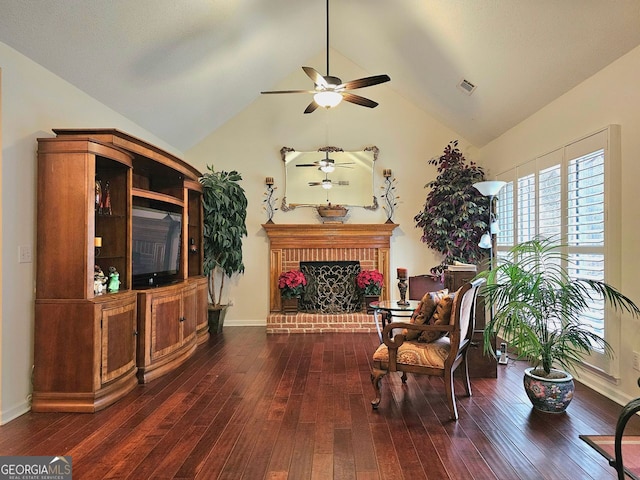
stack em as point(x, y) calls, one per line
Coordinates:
point(225, 213)
point(539, 310)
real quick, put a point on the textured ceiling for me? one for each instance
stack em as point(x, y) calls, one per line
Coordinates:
point(182, 68)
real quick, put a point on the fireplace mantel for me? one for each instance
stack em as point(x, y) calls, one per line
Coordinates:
point(292, 243)
point(335, 234)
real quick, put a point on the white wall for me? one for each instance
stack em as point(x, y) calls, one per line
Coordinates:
point(33, 102)
point(609, 97)
point(251, 142)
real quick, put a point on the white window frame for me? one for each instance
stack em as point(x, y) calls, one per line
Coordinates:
point(607, 139)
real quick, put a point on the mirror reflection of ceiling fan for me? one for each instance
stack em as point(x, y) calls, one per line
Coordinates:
point(330, 91)
point(327, 165)
point(328, 184)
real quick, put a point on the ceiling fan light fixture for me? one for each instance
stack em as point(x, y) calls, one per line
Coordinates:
point(327, 98)
point(328, 168)
point(326, 184)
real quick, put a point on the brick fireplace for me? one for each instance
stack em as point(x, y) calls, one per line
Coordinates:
point(294, 243)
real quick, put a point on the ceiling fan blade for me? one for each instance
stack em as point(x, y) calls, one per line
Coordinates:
point(314, 184)
point(289, 91)
point(342, 182)
point(311, 107)
point(313, 74)
point(307, 165)
point(358, 100)
point(365, 82)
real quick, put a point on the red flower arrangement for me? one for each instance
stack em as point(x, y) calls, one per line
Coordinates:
point(370, 282)
point(291, 283)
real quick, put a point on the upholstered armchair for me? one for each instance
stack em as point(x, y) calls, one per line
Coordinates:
point(433, 343)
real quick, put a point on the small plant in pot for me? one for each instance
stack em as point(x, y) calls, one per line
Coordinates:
point(369, 284)
point(225, 213)
point(291, 285)
point(538, 309)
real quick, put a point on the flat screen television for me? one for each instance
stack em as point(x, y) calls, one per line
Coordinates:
point(156, 243)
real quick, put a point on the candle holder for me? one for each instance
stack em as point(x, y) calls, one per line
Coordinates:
point(402, 286)
point(269, 201)
point(389, 196)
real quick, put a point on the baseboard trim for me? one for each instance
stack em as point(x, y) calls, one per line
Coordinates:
point(7, 415)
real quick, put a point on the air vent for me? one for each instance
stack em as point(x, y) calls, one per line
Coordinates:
point(466, 86)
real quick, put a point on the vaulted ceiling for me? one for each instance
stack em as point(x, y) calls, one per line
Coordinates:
point(182, 68)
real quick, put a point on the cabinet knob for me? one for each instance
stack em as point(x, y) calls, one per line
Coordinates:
point(135, 333)
point(182, 319)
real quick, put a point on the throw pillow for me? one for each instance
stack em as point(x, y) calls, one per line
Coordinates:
point(424, 311)
point(441, 316)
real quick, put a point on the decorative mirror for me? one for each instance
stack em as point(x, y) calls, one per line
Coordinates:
point(329, 176)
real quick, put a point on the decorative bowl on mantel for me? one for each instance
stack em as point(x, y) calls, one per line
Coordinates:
point(331, 213)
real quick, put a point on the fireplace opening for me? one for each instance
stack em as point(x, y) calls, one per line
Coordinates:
point(331, 287)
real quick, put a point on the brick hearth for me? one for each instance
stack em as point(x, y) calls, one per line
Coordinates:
point(320, 323)
point(294, 243)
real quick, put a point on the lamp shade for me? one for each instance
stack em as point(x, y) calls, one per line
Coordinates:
point(489, 188)
point(485, 241)
point(327, 99)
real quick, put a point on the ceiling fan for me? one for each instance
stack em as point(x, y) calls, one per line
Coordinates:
point(327, 165)
point(327, 184)
point(330, 91)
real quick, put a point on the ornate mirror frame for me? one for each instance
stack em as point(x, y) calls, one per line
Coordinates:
point(352, 178)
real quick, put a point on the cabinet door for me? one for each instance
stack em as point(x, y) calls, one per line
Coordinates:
point(165, 324)
point(118, 342)
point(189, 314)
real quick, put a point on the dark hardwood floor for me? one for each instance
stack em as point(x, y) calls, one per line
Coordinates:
point(253, 406)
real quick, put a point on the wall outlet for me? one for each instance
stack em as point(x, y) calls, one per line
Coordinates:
point(636, 361)
point(25, 254)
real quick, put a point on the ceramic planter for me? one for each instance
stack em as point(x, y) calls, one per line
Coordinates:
point(551, 395)
point(216, 318)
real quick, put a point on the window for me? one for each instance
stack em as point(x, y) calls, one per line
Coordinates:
point(568, 194)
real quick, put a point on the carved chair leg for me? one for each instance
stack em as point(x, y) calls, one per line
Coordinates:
point(465, 376)
point(451, 398)
point(404, 377)
point(376, 377)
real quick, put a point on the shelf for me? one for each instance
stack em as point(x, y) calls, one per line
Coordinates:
point(137, 192)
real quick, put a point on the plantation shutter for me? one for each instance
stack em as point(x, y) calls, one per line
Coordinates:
point(570, 194)
point(550, 195)
point(586, 221)
point(526, 202)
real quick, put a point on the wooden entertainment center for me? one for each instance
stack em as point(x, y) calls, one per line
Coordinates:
point(93, 348)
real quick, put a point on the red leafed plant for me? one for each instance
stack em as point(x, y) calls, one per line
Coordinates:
point(291, 283)
point(370, 282)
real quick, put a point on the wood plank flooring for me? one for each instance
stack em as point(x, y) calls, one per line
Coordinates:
point(255, 406)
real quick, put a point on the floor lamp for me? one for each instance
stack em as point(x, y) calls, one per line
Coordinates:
point(491, 189)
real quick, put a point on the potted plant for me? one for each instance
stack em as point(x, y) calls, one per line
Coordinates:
point(369, 283)
point(454, 215)
point(225, 212)
point(538, 309)
point(291, 285)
